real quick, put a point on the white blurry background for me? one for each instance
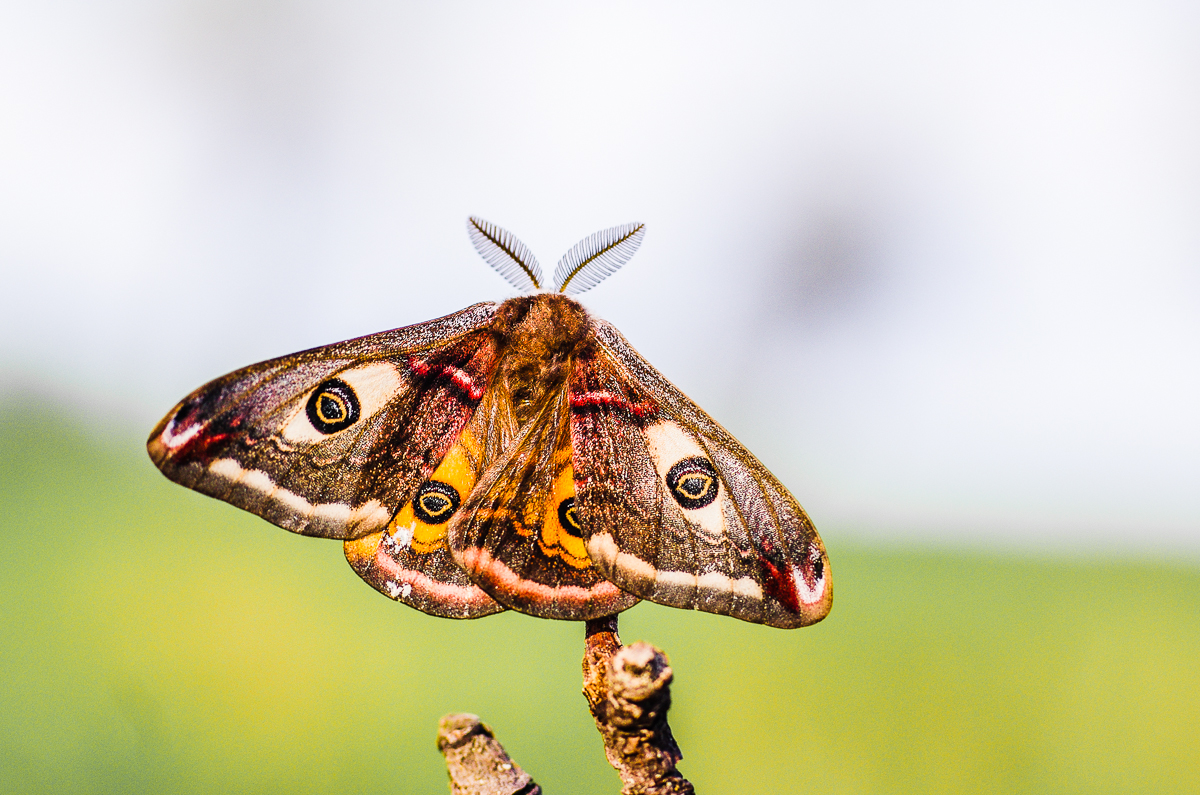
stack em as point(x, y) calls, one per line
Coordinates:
point(937, 265)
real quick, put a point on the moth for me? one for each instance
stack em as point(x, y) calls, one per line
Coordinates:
point(516, 455)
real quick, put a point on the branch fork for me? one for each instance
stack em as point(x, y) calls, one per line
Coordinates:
point(628, 692)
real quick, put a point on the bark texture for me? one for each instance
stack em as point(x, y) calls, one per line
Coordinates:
point(477, 763)
point(628, 690)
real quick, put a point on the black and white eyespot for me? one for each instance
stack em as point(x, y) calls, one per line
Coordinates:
point(693, 482)
point(568, 518)
point(333, 406)
point(435, 502)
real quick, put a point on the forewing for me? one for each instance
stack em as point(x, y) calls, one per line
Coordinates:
point(674, 509)
point(517, 534)
point(332, 441)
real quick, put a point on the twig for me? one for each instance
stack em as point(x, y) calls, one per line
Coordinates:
point(628, 689)
point(477, 763)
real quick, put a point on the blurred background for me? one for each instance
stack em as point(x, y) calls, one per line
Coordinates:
point(945, 262)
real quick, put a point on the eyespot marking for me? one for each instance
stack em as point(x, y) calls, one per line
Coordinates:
point(373, 384)
point(668, 445)
point(568, 519)
point(333, 406)
point(693, 482)
point(435, 502)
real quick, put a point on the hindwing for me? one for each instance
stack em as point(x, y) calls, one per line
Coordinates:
point(518, 535)
point(410, 560)
point(674, 509)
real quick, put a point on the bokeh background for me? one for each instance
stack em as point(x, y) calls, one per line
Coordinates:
point(937, 265)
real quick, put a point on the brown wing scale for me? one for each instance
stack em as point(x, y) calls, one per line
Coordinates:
point(675, 509)
point(409, 560)
point(518, 537)
point(335, 441)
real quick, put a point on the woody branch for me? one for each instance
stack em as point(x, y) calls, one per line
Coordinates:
point(628, 692)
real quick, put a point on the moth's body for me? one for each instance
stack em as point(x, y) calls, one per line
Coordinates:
point(542, 336)
point(516, 455)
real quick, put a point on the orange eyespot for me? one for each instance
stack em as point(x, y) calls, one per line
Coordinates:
point(435, 502)
point(567, 518)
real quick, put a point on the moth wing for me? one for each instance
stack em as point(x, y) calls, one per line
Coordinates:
point(517, 535)
point(674, 509)
point(410, 560)
point(333, 441)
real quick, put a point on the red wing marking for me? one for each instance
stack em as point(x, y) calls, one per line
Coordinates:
point(796, 584)
point(780, 584)
point(601, 398)
point(173, 441)
point(195, 442)
point(459, 377)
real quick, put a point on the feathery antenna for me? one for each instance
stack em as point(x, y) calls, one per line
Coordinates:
point(593, 259)
point(505, 253)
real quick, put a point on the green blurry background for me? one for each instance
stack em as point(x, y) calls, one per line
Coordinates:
point(934, 263)
point(158, 641)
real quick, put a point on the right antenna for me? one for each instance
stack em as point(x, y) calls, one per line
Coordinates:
point(591, 260)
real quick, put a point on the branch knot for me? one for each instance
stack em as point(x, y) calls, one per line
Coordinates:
point(628, 689)
point(639, 679)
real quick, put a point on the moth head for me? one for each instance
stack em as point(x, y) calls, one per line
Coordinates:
point(589, 262)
